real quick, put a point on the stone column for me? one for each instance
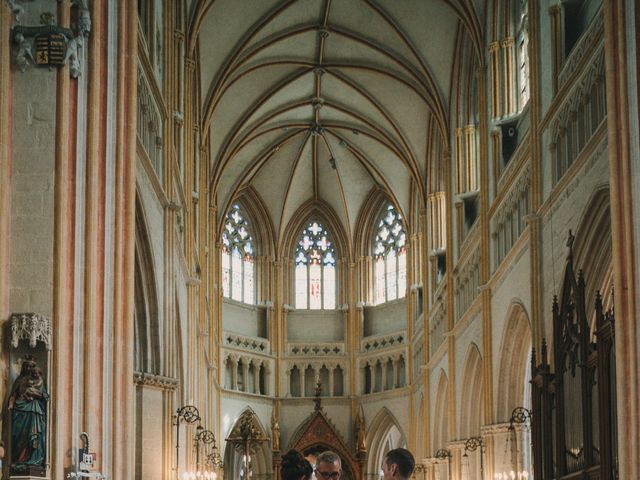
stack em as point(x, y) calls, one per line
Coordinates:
point(303, 381)
point(332, 369)
point(234, 372)
point(287, 373)
point(396, 383)
point(245, 374)
point(622, 43)
point(383, 364)
point(316, 376)
point(256, 376)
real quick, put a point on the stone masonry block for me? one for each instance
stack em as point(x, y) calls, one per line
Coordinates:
point(18, 299)
point(31, 250)
point(27, 204)
point(23, 228)
point(41, 300)
point(32, 183)
point(33, 275)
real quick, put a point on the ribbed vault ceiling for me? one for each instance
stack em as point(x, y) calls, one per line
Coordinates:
point(324, 99)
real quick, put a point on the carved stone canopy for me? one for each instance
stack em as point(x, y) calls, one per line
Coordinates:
point(317, 434)
point(30, 326)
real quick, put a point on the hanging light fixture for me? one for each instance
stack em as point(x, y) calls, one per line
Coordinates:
point(203, 437)
point(444, 454)
point(187, 414)
point(471, 445)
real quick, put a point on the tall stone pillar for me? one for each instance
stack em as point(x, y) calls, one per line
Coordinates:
point(67, 197)
point(622, 44)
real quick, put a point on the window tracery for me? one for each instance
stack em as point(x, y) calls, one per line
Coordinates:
point(315, 269)
point(389, 250)
point(237, 258)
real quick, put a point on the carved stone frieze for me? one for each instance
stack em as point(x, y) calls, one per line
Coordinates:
point(380, 342)
point(30, 326)
point(244, 342)
point(496, 429)
point(157, 381)
point(316, 349)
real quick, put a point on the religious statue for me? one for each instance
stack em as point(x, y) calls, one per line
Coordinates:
point(84, 17)
point(28, 407)
point(275, 432)
point(359, 431)
point(23, 52)
point(72, 55)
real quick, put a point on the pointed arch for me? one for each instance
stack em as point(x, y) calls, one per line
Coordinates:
point(321, 210)
point(593, 249)
point(440, 418)
point(367, 226)
point(262, 238)
point(515, 351)
point(471, 404)
point(367, 219)
point(147, 351)
point(384, 434)
point(258, 215)
point(260, 459)
point(465, 118)
point(317, 434)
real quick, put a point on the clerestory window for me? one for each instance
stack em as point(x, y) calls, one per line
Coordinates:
point(523, 54)
point(237, 258)
point(390, 257)
point(315, 269)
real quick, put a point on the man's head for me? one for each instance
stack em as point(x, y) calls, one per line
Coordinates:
point(398, 464)
point(328, 466)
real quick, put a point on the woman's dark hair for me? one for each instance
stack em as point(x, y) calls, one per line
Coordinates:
point(294, 466)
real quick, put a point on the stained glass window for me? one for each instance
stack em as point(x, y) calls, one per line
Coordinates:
point(315, 259)
point(390, 257)
point(237, 258)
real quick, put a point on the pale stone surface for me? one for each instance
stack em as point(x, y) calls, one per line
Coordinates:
point(320, 326)
point(243, 319)
point(386, 318)
point(150, 407)
point(32, 192)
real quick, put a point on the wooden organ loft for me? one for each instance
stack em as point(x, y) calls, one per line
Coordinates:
point(574, 405)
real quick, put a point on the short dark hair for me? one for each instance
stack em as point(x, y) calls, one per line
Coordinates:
point(328, 457)
point(403, 459)
point(294, 466)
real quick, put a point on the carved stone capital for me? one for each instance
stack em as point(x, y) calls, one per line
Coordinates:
point(494, 46)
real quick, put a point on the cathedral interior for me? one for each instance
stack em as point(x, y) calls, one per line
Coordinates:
point(231, 228)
